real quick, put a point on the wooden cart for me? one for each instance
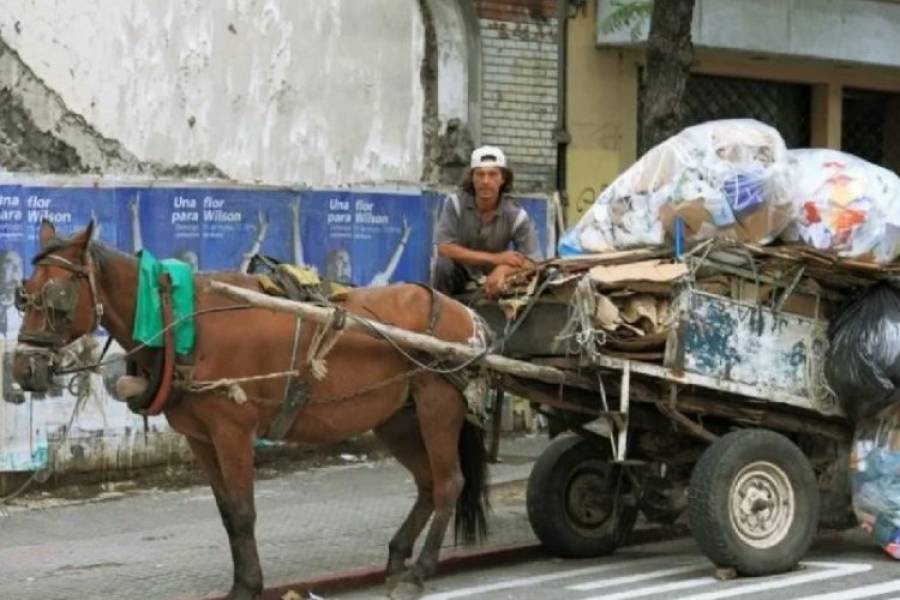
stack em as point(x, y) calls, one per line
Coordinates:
point(735, 427)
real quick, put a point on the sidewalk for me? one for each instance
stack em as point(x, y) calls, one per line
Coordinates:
point(156, 544)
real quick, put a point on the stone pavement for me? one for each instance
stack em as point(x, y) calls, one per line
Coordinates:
point(154, 544)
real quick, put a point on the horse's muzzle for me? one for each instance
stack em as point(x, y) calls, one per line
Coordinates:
point(34, 370)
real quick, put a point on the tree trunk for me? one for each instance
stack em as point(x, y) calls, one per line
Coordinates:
point(669, 57)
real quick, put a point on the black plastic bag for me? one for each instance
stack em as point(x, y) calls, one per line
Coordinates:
point(863, 361)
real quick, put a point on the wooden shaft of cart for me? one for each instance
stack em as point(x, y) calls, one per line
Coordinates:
point(406, 339)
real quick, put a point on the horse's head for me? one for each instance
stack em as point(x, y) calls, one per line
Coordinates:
point(59, 304)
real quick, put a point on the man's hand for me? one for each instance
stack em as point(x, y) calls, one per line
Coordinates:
point(496, 281)
point(511, 258)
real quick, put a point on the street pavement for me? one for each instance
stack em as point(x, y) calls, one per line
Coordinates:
point(840, 567)
point(151, 544)
point(313, 523)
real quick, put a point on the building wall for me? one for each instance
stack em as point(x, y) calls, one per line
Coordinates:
point(601, 99)
point(601, 108)
point(251, 87)
point(519, 85)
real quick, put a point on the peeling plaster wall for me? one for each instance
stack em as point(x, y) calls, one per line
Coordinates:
point(453, 58)
point(296, 92)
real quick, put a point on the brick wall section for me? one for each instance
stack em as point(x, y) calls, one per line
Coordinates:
point(519, 78)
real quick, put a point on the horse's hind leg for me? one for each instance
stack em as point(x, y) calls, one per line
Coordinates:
point(232, 485)
point(441, 411)
point(402, 437)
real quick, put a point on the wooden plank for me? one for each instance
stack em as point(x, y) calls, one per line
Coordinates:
point(713, 383)
point(406, 339)
point(764, 417)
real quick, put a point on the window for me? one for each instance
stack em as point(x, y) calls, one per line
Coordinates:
point(784, 106)
point(870, 127)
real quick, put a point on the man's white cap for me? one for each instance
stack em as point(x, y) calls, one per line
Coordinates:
point(488, 156)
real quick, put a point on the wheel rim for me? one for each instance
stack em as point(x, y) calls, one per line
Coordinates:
point(762, 505)
point(589, 502)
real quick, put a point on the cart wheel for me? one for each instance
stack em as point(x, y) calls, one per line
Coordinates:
point(753, 503)
point(573, 504)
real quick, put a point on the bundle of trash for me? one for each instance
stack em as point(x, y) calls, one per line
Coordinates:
point(845, 205)
point(863, 369)
point(875, 478)
point(720, 179)
point(735, 179)
point(863, 362)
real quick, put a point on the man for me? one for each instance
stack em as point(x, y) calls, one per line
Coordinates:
point(10, 277)
point(477, 227)
point(11, 271)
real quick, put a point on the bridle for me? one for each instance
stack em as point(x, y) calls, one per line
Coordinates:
point(58, 300)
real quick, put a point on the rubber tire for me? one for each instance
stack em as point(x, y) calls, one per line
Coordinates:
point(547, 506)
point(708, 502)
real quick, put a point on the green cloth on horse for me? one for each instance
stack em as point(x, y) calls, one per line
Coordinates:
point(148, 310)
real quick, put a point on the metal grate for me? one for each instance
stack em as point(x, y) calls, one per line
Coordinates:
point(870, 127)
point(784, 106)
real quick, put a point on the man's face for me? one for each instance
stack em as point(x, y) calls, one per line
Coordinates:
point(487, 182)
point(340, 267)
point(11, 269)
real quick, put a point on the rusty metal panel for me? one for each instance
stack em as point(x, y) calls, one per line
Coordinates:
point(779, 354)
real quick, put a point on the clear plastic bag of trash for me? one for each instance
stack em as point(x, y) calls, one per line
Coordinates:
point(846, 205)
point(721, 179)
point(875, 478)
point(863, 361)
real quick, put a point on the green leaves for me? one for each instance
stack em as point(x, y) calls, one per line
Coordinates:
point(628, 14)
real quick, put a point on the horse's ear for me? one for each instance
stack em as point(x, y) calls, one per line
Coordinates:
point(84, 238)
point(46, 233)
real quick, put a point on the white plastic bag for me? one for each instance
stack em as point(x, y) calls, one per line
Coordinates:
point(845, 204)
point(721, 178)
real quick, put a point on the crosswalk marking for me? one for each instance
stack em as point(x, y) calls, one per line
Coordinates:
point(538, 579)
point(867, 591)
point(657, 590)
point(607, 583)
point(827, 570)
point(659, 567)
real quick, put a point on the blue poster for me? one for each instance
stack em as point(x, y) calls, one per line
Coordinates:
point(367, 238)
point(212, 229)
point(70, 209)
point(538, 210)
point(22, 209)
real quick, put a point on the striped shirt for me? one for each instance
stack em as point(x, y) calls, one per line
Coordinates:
point(509, 226)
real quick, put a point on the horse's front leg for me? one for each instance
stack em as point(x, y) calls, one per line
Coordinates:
point(230, 472)
point(402, 437)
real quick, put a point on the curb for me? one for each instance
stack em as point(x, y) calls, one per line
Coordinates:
point(452, 562)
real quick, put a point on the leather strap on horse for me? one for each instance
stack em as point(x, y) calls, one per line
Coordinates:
point(296, 394)
point(435, 307)
point(168, 364)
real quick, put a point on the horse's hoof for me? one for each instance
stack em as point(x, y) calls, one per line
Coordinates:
point(243, 594)
point(391, 581)
point(406, 590)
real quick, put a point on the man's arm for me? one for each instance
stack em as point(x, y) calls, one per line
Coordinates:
point(262, 226)
point(467, 255)
point(384, 277)
point(137, 244)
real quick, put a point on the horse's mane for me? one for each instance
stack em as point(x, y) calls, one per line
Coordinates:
point(100, 252)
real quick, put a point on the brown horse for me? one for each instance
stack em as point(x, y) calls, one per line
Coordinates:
point(79, 284)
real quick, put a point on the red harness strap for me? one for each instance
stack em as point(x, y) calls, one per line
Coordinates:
point(168, 367)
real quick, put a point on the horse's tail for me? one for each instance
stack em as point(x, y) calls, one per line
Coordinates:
point(471, 522)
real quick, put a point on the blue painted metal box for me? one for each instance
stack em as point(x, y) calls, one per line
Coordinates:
point(781, 355)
